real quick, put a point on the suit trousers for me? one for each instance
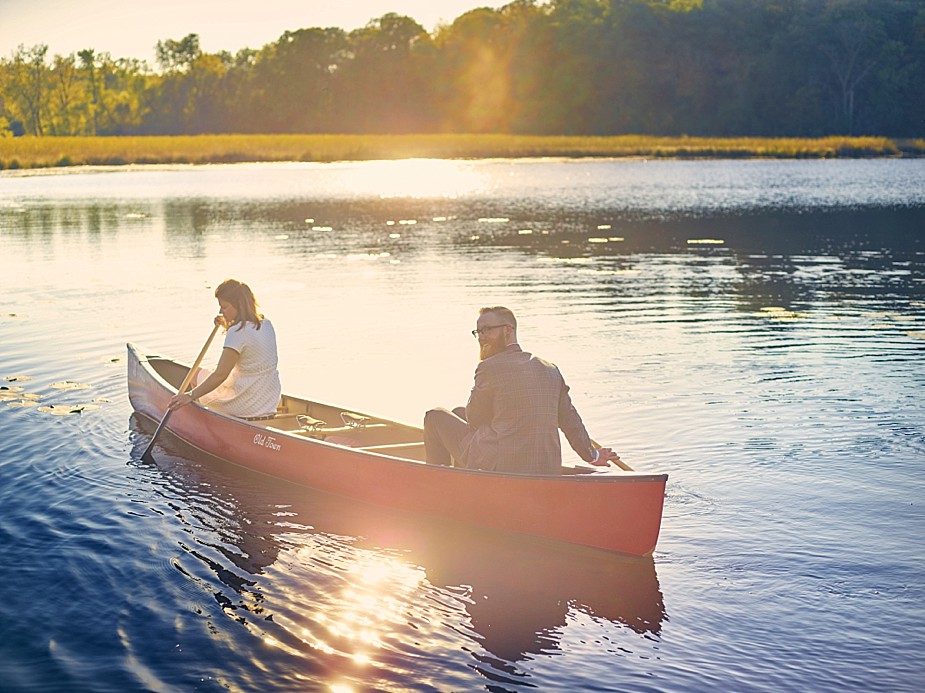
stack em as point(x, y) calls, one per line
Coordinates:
point(444, 432)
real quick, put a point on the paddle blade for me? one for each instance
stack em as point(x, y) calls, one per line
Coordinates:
point(147, 455)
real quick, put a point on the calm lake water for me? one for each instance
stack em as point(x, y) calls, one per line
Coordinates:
point(756, 329)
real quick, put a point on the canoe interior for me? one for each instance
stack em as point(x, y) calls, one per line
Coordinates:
point(336, 425)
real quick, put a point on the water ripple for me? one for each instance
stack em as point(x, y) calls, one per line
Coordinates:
point(775, 375)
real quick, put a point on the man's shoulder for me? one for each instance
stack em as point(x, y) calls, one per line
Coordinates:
point(513, 358)
point(537, 362)
point(536, 359)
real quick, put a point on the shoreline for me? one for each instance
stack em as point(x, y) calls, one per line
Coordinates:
point(35, 153)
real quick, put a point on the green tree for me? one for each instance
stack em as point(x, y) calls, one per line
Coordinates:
point(65, 97)
point(88, 65)
point(700, 67)
point(293, 82)
point(172, 100)
point(26, 88)
point(178, 56)
point(851, 46)
point(474, 86)
point(386, 85)
point(575, 69)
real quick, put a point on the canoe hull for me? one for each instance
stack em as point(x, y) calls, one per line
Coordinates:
point(615, 511)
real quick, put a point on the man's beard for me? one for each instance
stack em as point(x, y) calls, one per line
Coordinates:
point(489, 348)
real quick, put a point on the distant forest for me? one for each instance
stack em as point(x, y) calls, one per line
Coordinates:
point(568, 67)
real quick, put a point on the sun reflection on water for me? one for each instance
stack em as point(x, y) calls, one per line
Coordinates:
point(417, 178)
point(360, 620)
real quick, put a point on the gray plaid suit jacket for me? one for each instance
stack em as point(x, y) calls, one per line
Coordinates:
point(517, 406)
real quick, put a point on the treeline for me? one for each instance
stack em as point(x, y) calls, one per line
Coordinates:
point(577, 67)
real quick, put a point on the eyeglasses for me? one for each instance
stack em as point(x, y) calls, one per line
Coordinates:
point(482, 330)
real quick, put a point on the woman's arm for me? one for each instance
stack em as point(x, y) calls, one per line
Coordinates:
point(226, 364)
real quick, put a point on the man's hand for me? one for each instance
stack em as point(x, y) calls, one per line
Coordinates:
point(604, 457)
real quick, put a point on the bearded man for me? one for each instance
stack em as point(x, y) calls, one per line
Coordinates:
point(517, 406)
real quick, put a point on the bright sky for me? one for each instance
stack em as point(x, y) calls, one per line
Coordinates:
point(131, 28)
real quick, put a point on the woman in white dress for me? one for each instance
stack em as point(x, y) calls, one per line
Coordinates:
point(245, 383)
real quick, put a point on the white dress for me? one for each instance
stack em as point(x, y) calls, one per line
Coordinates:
point(253, 387)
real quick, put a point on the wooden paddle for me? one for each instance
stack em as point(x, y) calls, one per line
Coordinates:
point(147, 456)
point(620, 463)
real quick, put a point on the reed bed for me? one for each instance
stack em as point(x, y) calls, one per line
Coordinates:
point(45, 152)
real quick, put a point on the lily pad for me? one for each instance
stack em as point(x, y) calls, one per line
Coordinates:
point(70, 385)
point(779, 313)
point(62, 410)
point(8, 393)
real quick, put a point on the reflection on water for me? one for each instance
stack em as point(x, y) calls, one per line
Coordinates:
point(756, 329)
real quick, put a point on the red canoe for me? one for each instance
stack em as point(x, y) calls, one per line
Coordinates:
point(381, 461)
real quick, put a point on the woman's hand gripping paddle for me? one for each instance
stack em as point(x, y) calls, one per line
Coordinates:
point(147, 456)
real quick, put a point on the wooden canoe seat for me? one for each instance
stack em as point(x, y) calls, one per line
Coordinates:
point(311, 427)
point(354, 420)
point(308, 423)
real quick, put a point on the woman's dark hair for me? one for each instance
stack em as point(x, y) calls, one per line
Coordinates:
point(242, 298)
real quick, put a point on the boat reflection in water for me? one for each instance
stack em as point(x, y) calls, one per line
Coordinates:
point(341, 562)
point(521, 591)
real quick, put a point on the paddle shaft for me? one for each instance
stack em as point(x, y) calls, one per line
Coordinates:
point(186, 381)
point(620, 463)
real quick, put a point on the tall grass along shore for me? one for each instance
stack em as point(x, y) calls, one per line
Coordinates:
point(45, 152)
